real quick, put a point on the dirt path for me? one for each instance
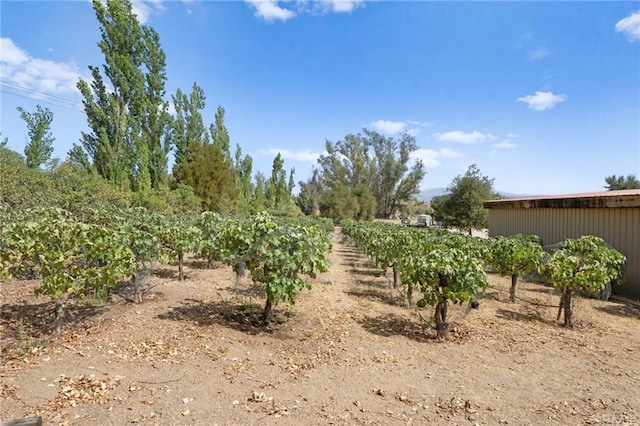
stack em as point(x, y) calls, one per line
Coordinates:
point(346, 353)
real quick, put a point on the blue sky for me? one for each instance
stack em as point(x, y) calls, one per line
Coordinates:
point(543, 96)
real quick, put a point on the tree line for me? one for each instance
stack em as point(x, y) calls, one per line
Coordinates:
point(132, 133)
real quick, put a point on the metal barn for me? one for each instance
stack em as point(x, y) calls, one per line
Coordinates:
point(613, 216)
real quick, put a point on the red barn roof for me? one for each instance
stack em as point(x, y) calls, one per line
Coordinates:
point(602, 199)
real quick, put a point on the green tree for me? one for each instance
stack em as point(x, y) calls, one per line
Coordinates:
point(106, 144)
point(259, 199)
point(339, 203)
point(587, 264)
point(514, 256)
point(243, 169)
point(64, 185)
point(308, 199)
point(278, 189)
point(203, 165)
point(187, 128)
point(155, 116)
point(79, 157)
point(615, 183)
point(21, 186)
point(462, 207)
point(220, 134)
point(127, 139)
point(439, 206)
point(213, 179)
point(366, 202)
point(40, 144)
point(75, 190)
point(380, 163)
point(395, 183)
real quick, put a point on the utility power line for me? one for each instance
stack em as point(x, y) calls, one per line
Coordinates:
point(27, 93)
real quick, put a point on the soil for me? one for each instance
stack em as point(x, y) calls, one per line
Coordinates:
point(347, 353)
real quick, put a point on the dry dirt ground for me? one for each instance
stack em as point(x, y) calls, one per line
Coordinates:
point(347, 353)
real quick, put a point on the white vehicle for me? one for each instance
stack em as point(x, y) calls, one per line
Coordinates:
point(423, 220)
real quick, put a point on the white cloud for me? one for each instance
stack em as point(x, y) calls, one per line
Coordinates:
point(270, 10)
point(542, 100)
point(450, 153)
point(388, 127)
point(144, 9)
point(274, 10)
point(505, 144)
point(10, 53)
point(37, 77)
point(188, 5)
point(459, 136)
point(630, 26)
point(431, 157)
point(537, 53)
point(413, 132)
point(306, 156)
point(417, 123)
point(344, 6)
point(511, 135)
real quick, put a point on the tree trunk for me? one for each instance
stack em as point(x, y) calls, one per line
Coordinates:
point(512, 291)
point(396, 277)
point(136, 287)
point(268, 311)
point(180, 263)
point(60, 311)
point(564, 291)
point(442, 327)
point(137, 292)
point(568, 322)
point(475, 304)
point(409, 300)
point(441, 319)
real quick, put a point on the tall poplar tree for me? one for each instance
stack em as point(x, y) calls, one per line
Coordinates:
point(127, 141)
point(39, 147)
point(201, 161)
point(187, 128)
point(220, 134)
point(156, 119)
point(278, 189)
point(243, 168)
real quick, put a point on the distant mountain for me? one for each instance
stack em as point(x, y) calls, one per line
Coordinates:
point(428, 194)
point(511, 195)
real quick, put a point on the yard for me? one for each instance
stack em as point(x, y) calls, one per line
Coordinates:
point(347, 352)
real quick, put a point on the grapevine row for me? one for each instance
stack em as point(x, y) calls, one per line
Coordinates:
point(80, 255)
point(447, 267)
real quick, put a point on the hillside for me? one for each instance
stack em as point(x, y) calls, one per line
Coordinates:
point(428, 194)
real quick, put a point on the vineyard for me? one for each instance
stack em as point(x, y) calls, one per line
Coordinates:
point(127, 316)
point(86, 256)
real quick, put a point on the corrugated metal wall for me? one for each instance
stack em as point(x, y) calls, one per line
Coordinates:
point(619, 227)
